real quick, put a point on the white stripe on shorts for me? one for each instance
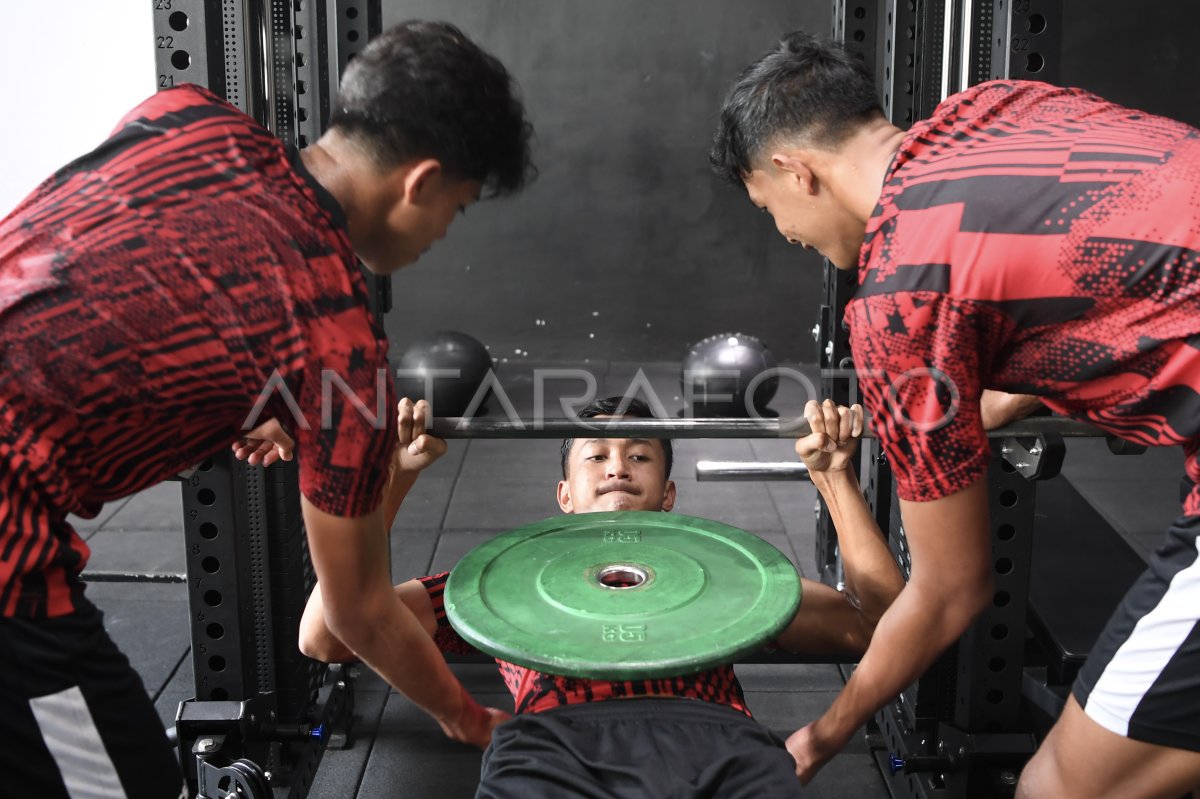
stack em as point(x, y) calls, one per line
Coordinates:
point(74, 743)
point(1142, 657)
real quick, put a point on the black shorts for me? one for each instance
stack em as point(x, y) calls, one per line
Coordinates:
point(637, 748)
point(75, 719)
point(1142, 679)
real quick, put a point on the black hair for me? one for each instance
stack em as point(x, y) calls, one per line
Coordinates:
point(618, 406)
point(807, 87)
point(424, 90)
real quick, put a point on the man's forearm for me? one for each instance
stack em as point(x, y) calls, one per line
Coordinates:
point(362, 610)
point(399, 483)
point(391, 640)
point(871, 574)
point(949, 585)
point(908, 638)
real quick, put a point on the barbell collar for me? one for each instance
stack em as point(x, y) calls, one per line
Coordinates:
point(625, 427)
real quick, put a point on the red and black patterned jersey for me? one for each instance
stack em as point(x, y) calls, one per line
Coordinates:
point(1039, 240)
point(534, 691)
point(152, 294)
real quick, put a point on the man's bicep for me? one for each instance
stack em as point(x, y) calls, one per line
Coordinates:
point(949, 538)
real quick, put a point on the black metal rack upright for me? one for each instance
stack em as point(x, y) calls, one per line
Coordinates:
point(260, 707)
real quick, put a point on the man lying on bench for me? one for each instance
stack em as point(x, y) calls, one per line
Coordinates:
point(570, 736)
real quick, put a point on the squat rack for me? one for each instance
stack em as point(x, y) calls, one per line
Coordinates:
point(957, 732)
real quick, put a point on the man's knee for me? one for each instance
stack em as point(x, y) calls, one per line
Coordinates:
point(1081, 758)
point(1040, 778)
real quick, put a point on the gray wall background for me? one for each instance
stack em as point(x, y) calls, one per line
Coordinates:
point(1141, 55)
point(626, 247)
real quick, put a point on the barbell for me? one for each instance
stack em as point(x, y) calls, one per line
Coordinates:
point(626, 427)
point(750, 471)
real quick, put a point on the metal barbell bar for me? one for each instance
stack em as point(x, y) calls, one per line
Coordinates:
point(625, 427)
point(738, 471)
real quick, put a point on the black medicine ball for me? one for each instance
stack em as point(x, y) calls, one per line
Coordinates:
point(453, 364)
point(720, 370)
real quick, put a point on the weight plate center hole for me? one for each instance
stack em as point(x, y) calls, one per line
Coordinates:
point(621, 575)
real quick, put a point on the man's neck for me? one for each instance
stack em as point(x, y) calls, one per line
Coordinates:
point(858, 167)
point(342, 169)
point(322, 164)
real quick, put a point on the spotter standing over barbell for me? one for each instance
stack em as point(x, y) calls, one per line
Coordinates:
point(1027, 238)
point(148, 292)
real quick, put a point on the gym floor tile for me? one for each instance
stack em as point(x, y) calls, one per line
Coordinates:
point(534, 459)
point(780, 541)
point(774, 449)
point(483, 679)
point(179, 688)
point(137, 551)
point(847, 775)
point(744, 505)
point(159, 507)
point(87, 527)
point(149, 622)
point(367, 680)
point(766, 678)
point(795, 503)
point(690, 450)
point(341, 770)
point(453, 545)
point(410, 750)
point(503, 501)
point(426, 504)
point(784, 712)
point(411, 552)
point(447, 467)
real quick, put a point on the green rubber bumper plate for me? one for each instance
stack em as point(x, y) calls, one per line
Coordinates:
point(622, 595)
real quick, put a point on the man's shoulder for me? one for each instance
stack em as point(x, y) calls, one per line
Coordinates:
point(1016, 106)
point(181, 99)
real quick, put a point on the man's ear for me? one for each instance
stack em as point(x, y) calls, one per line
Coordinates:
point(564, 497)
point(795, 169)
point(669, 495)
point(419, 179)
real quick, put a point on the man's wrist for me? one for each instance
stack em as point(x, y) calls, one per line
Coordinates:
point(840, 479)
point(828, 734)
point(450, 709)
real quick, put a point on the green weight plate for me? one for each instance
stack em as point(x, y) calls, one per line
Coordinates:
point(622, 595)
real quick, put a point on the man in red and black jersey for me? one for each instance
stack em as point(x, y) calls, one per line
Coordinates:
point(151, 293)
point(571, 737)
point(1027, 238)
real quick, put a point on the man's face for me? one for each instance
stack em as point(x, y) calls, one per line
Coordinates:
point(606, 474)
point(811, 218)
point(414, 221)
